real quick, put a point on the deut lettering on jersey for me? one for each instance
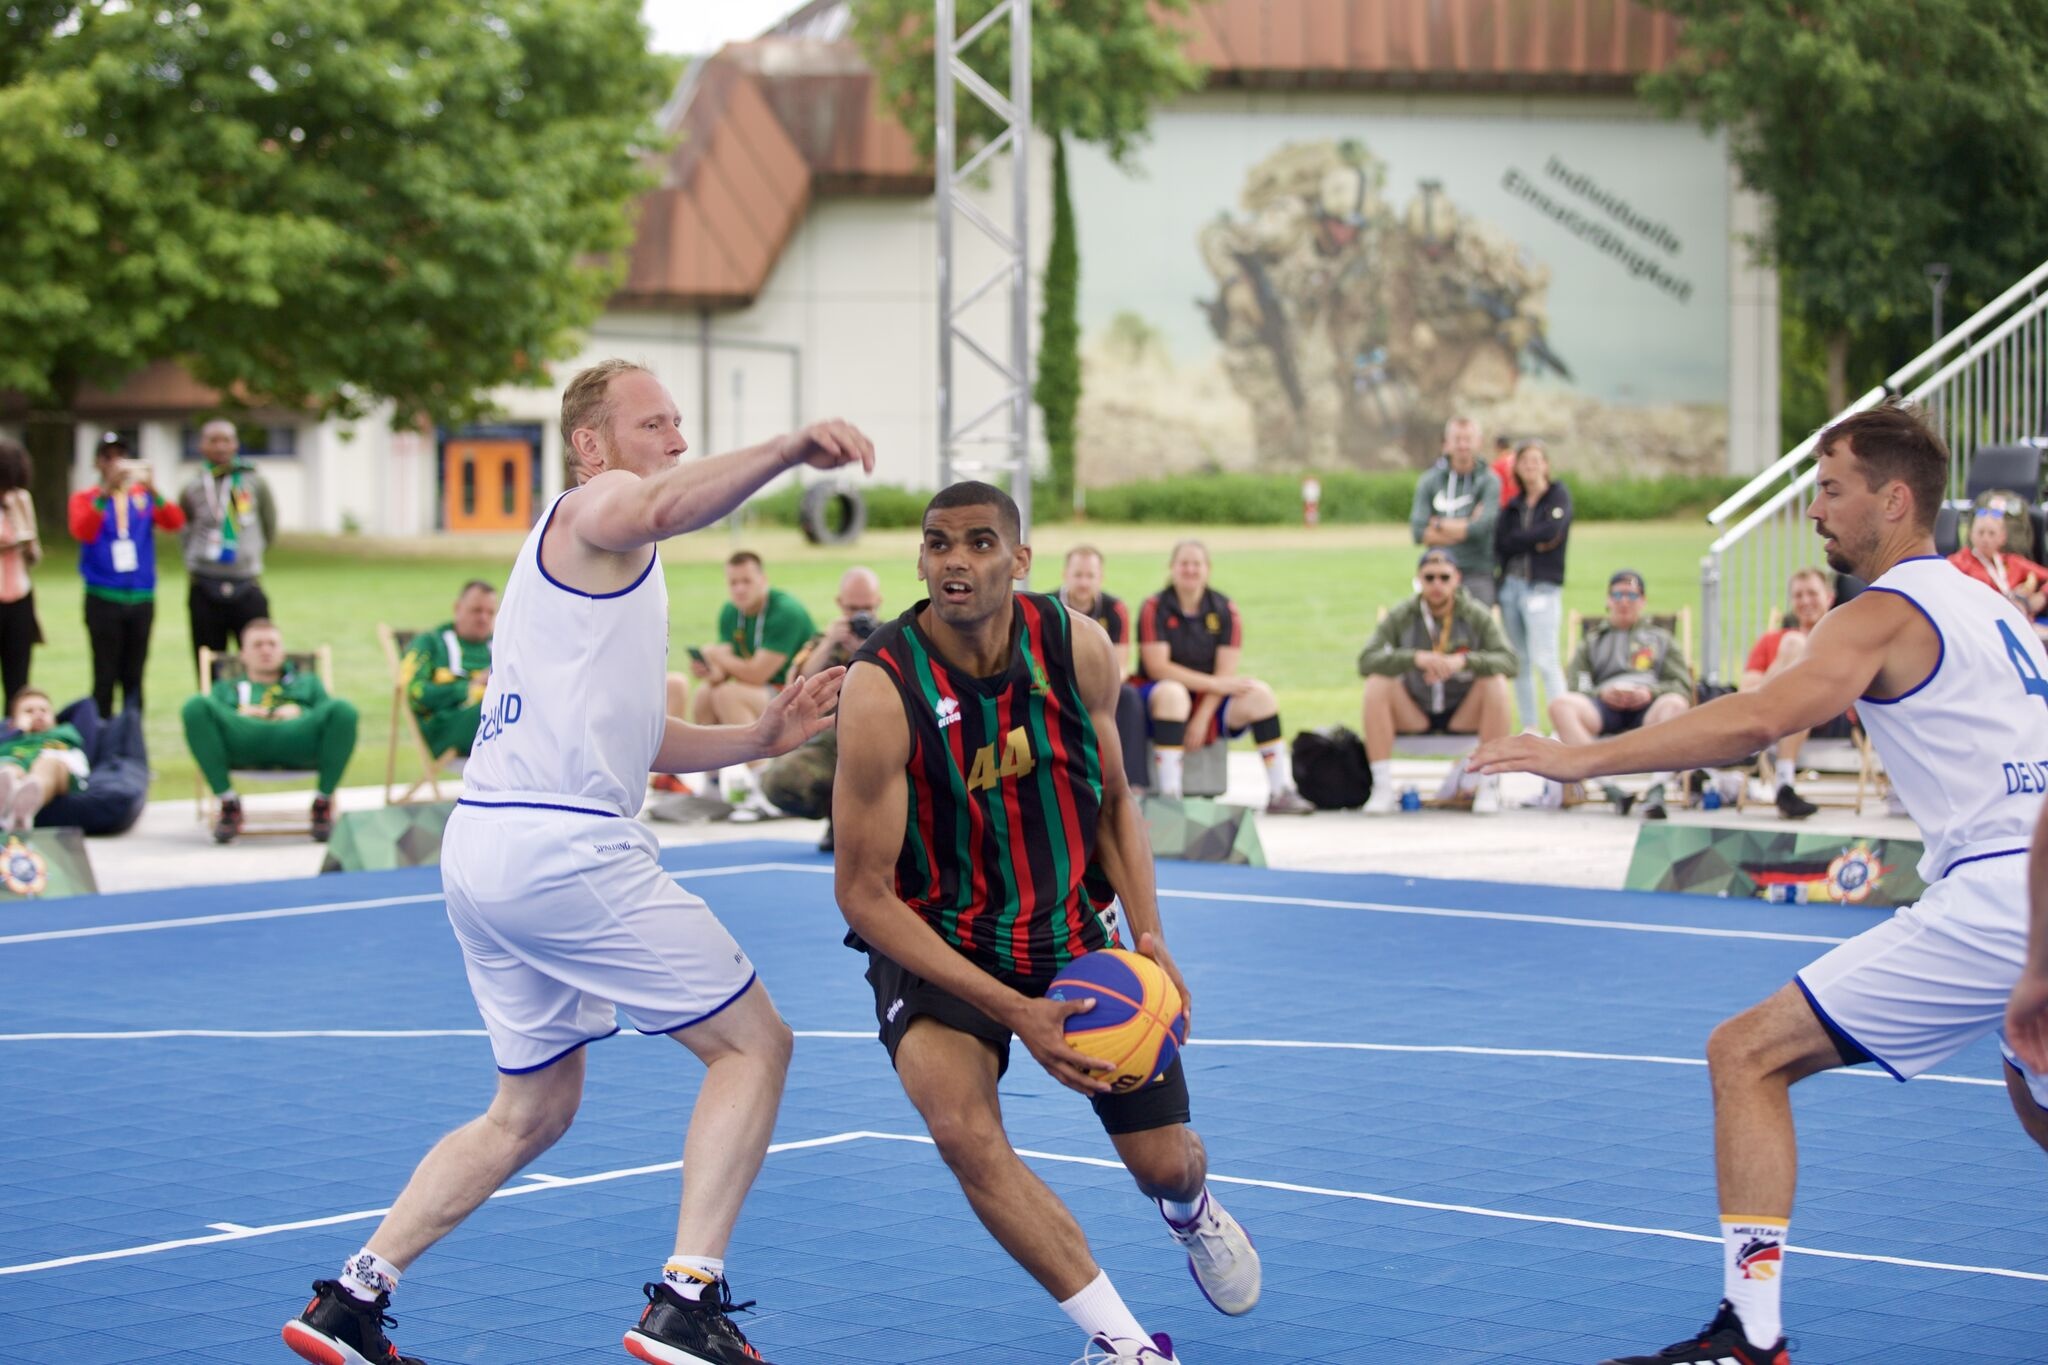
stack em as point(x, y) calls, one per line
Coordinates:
point(2025, 777)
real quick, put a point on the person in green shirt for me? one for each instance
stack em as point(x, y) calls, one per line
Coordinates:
point(276, 716)
point(39, 762)
point(445, 670)
point(1439, 664)
point(759, 631)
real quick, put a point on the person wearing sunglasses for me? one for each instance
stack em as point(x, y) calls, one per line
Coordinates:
point(1626, 674)
point(1437, 664)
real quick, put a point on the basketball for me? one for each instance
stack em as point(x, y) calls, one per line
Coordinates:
point(1137, 1025)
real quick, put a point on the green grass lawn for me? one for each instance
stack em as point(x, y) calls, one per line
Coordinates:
point(1309, 600)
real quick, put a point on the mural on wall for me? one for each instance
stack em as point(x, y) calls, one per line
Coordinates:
point(1329, 313)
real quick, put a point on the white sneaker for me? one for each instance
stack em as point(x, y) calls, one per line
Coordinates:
point(1125, 1351)
point(1551, 797)
point(756, 807)
point(1385, 799)
point(1221, 1257)
point(1486, 797)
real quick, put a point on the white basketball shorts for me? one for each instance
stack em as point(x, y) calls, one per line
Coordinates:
point(563, 915)
point(1918, 988)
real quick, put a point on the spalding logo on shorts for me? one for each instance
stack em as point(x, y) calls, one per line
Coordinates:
point(506, 712)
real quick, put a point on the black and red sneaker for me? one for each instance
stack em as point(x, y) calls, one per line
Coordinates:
point(228, 824)
point(679, 1331)
point(323, 819)
point(1720, 1342)
point(338, 1328)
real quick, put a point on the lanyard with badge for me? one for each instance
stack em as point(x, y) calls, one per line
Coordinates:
point(228, 503)
point(126, 558)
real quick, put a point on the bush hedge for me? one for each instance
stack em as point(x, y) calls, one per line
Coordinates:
point(1349, 497)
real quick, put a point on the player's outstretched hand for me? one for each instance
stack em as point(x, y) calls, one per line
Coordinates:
point(831, 444)
point(2026, 1021)
point(1151, 947)
point(1529, 754)
point(799, 711)
point(1042, 1025)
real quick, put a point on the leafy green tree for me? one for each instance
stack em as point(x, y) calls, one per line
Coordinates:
point(1098, 69)
point(323, 204)
point(1886, 134)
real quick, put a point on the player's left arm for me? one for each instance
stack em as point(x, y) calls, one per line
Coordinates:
point(1847, 652)
point(1122, 843)
point(796, 713)
point(2026, 1015)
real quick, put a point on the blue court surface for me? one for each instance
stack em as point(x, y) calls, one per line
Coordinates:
point(1463, 1121)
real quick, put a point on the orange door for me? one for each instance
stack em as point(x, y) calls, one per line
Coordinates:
point(488, 485)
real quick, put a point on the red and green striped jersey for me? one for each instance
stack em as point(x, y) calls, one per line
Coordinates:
point(1005, 793)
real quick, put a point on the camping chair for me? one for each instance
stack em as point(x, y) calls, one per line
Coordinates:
point(1678, 623)
point(219, 668)
point(405, 730)
point(1839, 755)
point(1453, 747)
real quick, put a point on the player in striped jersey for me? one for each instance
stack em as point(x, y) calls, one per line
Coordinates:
point(981, 843)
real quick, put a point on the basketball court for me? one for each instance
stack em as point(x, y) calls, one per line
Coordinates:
point(1464, 1121)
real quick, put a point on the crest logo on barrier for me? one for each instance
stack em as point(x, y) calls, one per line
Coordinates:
point(22, 869)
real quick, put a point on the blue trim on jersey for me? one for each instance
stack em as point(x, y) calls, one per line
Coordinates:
point(1829, 1020)
point(1939, 639)
point(536, 805)
point(540, 561)
point(2016, 1069)
point(1978, 858)
point(543, 1066)
point(732, 999)
point(1915, 559)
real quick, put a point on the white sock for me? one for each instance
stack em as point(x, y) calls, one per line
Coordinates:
point(690, 1276)
point(1099, 1311)
point(367, 1275)
point(1382, 774)
point(1279, 772)
point(229, 795)
point(1752, 1275)
point(1170, 761)
point(1184, 1214)
point(1785, 772)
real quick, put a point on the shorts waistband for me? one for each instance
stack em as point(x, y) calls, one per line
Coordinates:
point(1968, 858)
point(575, 805)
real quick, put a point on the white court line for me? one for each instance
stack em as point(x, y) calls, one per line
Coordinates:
point(1307, 1045)
point(535, 1184)
point(234, 1232)
point(743, 869)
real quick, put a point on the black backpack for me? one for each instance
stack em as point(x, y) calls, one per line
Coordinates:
point(1330, 768)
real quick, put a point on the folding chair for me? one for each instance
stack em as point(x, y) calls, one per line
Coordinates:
point(433, 766)
point(1453, 747)
point(219, 668)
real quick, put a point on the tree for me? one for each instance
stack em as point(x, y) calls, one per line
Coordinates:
point(1886, 134)
point(321, 204)
point(1098, 69)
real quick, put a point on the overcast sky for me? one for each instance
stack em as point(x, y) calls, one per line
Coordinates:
point(702, 25)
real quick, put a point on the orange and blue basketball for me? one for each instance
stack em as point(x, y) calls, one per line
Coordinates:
point(1138, 1025)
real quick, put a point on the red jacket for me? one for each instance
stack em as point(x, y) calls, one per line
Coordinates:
point(2017, 570)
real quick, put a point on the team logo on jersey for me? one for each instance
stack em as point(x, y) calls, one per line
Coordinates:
point(1759, 1258)
point(1040, 684)
point(948, 711)
point(22, 870)
point(1643, 660)
point(1213, 622)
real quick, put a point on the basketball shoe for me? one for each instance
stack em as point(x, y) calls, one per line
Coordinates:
point(1125, 1351)
point(1220, 1257)
point(678, 1331)
point(338, 1328)
point(1720, 1342)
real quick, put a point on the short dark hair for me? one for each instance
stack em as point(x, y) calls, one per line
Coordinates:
point(476, 585)
point(1891, 442)
point(974, 493)
point(16, 471)
point(739, 557)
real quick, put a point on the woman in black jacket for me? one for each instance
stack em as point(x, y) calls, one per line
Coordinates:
point(1528, 545)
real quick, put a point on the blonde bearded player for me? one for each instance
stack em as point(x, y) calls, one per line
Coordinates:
point(1952, 686)
point(562, 910)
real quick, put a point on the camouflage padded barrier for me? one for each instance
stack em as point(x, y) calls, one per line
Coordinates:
point(45, 864)
point(1774, 865)
point(394, 836)
point(1201, 831)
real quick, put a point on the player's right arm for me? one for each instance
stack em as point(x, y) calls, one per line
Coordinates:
point(2026, 1015)
point(870, 805)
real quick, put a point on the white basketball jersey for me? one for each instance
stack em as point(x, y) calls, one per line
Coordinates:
point(1967, 749)
point(577, 702)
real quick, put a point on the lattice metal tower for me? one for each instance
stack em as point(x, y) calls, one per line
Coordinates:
point(981, 447)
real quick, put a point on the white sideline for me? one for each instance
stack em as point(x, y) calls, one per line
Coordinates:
point(867, 1035)
point(744, 869)
point(231, 1232)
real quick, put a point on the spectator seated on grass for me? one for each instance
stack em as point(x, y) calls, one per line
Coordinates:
point(41, 759)
point(1626, 674)
point(760, 631)
point(1189, 641)
point(114, 799)
point(1438, 664)
point(277, 716)
point(445, 671)
point(1811, 592)
point(800, 782)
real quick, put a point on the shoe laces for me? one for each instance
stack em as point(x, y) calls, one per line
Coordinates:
point(372, 1310)
point(716, 1298)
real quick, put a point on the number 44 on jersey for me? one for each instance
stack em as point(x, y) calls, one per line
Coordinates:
point(1017, 761)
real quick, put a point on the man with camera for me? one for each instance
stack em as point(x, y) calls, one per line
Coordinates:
point(115, 523)
point(800, 782)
